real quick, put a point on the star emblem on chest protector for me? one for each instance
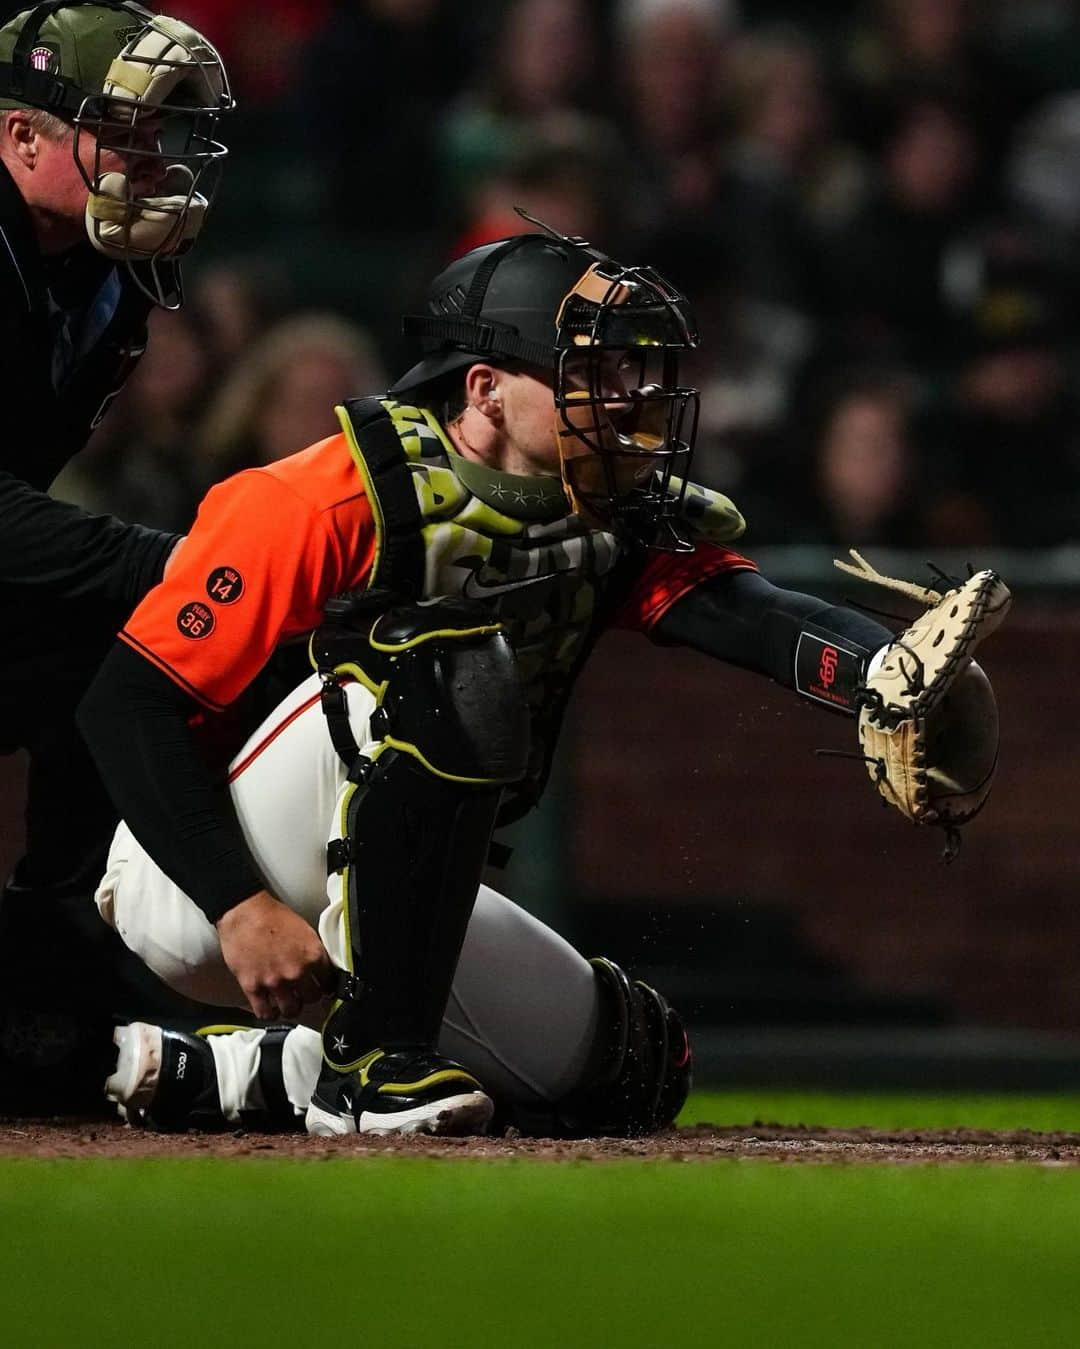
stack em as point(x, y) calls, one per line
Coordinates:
point(340, 1044)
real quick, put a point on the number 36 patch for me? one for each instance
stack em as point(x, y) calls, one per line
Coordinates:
point(195, 620)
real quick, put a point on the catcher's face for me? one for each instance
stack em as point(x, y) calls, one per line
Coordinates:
point(525, 401)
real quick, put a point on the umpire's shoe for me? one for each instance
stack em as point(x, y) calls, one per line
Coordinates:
point(406, 1091)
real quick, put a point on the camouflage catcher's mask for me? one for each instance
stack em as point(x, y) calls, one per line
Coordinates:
point(144, 87)
point(609, 337)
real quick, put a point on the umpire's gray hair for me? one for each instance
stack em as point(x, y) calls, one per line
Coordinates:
point(44, 123)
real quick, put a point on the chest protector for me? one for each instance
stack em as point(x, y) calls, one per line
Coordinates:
point(552, 584)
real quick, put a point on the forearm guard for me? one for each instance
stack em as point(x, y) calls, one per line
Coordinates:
point(819, 649)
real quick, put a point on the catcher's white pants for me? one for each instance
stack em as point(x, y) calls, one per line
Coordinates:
point(522, 1013)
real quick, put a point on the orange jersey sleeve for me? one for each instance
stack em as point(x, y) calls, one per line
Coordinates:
point(268, 548)
point(667, 577)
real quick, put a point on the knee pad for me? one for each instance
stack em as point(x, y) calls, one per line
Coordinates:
point(445, 684)
point(639, 1074)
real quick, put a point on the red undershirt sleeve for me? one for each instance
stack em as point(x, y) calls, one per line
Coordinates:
point(667, 577)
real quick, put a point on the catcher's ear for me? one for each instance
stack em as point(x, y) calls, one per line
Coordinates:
point(482, 389)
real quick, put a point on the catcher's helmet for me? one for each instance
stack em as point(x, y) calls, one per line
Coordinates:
point(561, 307)
point(144, 86)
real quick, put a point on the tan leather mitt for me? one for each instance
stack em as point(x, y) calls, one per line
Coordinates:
point(928, 724)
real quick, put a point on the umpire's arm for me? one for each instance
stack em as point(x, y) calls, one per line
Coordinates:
point(57, 553)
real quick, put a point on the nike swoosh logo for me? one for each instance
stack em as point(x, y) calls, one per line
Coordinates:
point(473, 590)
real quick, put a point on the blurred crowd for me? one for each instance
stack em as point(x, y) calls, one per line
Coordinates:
point(874, 207)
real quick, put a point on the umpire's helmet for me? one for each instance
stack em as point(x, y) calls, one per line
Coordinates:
point(556, 305)
point(142, 85)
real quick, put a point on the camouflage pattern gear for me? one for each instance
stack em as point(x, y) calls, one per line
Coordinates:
point(546, 581)
point(78, 44)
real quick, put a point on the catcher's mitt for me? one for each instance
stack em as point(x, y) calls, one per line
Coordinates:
point(928, 722)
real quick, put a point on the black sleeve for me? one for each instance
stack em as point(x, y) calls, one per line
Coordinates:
point(135, 720)
point(742, 618)
point(59, 553)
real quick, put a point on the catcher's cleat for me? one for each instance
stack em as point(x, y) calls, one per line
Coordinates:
point(164, 1079)
point(407, 1091)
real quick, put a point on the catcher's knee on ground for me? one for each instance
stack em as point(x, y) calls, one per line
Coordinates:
point(565, 1046)
point(638, 1074)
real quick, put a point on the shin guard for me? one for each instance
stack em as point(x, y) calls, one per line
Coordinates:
point(452, 731)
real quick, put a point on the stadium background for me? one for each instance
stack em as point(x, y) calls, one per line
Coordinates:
point(875, 210)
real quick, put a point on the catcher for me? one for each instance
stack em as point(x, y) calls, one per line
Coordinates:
point(452, 555)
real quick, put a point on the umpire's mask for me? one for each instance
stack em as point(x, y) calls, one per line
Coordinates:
point(143, 88)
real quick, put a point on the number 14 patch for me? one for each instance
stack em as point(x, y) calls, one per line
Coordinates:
point(224, 585)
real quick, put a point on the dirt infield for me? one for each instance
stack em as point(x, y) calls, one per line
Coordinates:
point(698, 1143)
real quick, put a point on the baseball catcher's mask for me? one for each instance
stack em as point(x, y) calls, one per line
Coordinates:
point(146, 88)
point(626, 426)
point(608, 337)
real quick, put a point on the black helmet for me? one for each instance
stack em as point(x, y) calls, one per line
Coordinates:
point(558, 305)
point(498, 300)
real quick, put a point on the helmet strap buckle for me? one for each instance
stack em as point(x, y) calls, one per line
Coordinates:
point(485, 338)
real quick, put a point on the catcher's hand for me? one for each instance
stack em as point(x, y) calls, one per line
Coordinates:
point(928, 722)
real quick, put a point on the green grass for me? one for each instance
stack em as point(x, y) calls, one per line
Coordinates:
point(398, 1253)
point(886, 1110)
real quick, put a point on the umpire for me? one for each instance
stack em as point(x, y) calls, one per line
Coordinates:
point(107, 165)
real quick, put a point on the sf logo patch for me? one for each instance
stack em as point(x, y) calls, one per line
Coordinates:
point(224, 585)
point(195, 620)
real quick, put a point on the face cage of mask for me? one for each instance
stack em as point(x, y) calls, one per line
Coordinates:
point(621, 483)
point(193, 156)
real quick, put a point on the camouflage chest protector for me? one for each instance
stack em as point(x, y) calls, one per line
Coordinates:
point(549, 580)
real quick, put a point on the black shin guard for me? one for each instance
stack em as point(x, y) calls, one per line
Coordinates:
point(418, 847)
point(453, 731)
